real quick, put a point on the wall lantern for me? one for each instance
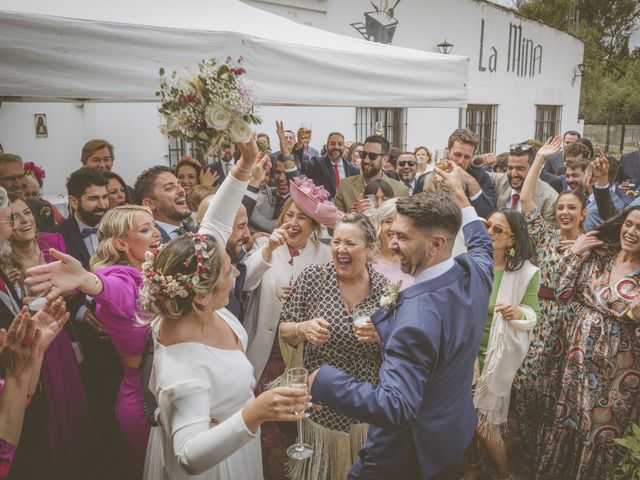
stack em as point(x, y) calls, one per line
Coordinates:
point(578, 72)
point(445, 47)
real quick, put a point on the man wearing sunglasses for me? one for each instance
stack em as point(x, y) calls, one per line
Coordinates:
point(508, 186)
point(407, 168)
point(14, 180)
point(374, 150)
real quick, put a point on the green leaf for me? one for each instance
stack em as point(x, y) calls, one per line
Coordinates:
point(162, 71)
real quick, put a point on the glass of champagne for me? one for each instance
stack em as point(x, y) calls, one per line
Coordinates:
point(378, 128)
point(362, 325)
point(282, 290)
point(306, 127)
point(297, 378)
point(35, 301)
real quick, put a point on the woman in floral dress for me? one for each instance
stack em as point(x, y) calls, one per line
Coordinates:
point(598, 400)
point(319, 314)
point(537, 383)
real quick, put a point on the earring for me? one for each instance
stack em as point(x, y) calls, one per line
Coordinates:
point(510, 253)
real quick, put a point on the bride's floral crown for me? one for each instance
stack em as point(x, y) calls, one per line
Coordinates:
point(180, 285)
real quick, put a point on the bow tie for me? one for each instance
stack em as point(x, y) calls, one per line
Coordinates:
point(88, 231)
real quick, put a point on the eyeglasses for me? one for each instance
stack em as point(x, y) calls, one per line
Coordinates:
point(497, 229)
point(410, 163)
point(520, 148)
point(372, 156)
point(13, 178)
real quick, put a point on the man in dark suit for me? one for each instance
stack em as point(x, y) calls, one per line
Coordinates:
point(630, 168)
point(329, 170)
point(573, 152)
point(101, 368)
point(462, 145)
point(421, 415)
point(158, 189)
point(97, 154)
point(14, 181)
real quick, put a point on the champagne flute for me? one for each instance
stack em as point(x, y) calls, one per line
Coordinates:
point(297, 378)
point(378, 128)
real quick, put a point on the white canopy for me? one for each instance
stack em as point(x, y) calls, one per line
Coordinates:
point(112, 50)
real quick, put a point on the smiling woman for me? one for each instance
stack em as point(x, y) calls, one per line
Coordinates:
point(324, 302)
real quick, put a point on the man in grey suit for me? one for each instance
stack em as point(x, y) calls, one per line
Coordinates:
point(507, 186)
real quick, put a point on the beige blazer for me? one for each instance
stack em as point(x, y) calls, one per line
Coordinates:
point(351, 188)
point(544, 198)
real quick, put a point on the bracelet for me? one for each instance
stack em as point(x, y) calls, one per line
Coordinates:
point(243, 170)
point(96, 285)
point(296, 332)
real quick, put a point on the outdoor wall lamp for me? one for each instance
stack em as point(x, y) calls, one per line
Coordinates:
point(578, 72)
point(445, 47)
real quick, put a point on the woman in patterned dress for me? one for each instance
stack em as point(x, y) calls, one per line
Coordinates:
point(537, 383)
point(319, 313)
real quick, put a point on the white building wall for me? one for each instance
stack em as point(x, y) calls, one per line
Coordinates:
point(133, 128)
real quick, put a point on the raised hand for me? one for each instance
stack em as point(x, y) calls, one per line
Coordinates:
point(209, 177)
point(600, 167)
point(260, 170)
point(248, 153)
point(586, 242)
point(50, 321)
point(550, 147)
point(453, 178)
point(278, 236)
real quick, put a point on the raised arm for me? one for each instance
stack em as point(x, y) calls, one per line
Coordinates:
point(530, 185)
point(601, 190)
point(222, 210)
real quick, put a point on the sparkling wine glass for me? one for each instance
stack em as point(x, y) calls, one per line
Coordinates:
point(297, 378)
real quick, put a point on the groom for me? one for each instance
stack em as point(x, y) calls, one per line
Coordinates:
point(421, 414)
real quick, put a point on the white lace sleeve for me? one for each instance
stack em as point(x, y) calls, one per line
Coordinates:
point(218, 221)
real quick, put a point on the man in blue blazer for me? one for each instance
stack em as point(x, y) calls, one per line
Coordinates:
point(421, 414)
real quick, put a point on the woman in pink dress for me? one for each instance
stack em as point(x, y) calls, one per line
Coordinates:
point(126, 233)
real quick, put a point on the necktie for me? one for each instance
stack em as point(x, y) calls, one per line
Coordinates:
point(88, 231)
point(278, 202)
point(226, 168)
point(515, 198)
point(337, 173)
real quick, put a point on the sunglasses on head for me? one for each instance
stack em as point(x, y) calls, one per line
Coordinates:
point(372, 156)
point(497, 229)
point(411, 163)
point(520, 148)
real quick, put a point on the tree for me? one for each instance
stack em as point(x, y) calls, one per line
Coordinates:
point(610, 84)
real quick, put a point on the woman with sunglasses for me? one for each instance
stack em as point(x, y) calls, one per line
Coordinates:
point(539, 380)
point(513, 312)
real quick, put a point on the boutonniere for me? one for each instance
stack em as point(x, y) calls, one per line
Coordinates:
point(45, 211)
point(390, 297)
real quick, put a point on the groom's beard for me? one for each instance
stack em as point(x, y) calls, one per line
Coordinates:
point(413, 262)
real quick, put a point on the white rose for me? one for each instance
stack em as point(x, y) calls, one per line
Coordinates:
point(240, 131)
point(217, 117)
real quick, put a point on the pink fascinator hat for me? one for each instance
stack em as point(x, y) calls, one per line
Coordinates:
point(314, 201)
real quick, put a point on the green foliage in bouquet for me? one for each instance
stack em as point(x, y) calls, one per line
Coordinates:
point(210, 107)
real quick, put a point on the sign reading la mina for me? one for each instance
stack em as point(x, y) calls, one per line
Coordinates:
point(524, 57)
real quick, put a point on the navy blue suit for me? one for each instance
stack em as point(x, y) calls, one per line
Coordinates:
point(421, 416)
point(322, 173)
point(630, 166)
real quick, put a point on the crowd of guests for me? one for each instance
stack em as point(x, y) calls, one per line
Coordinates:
point(174, 306)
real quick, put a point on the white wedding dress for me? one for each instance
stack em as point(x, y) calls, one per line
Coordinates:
point(201, 391)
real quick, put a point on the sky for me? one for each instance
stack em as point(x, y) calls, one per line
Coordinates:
point(635, 38)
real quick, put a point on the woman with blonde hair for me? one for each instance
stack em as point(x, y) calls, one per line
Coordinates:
point(126, 233)
point(385, 260)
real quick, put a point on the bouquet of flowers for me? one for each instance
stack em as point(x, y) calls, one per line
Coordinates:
point(213, 106)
